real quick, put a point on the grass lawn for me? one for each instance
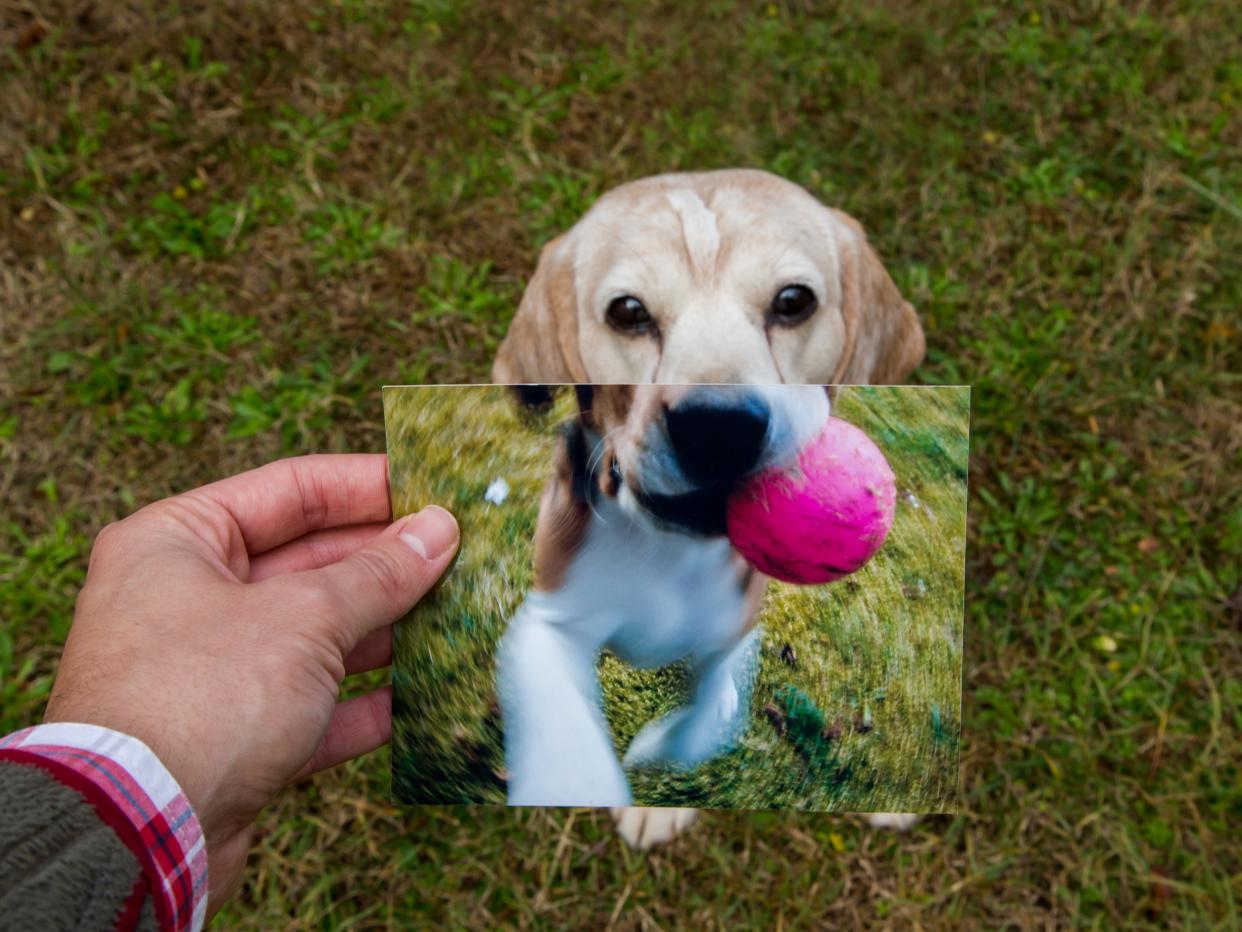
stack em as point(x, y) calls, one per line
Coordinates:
point(225, 225)
point(877, 659)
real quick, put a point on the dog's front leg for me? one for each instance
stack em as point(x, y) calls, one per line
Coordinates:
point(558, 749)
point(713, 720)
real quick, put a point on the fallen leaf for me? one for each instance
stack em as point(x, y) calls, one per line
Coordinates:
point(1161, 893)
point(31, 36)
point(1219, 331)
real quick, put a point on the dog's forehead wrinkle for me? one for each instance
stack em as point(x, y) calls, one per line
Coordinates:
point(778, 264)
point(699, 231)
point(630, 259)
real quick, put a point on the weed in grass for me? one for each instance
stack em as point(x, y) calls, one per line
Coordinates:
point(174, 229)
point(297, 405)
point(343, 235)
point(148, 376)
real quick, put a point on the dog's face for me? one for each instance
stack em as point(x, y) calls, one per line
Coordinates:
point(718, 277)
point(672, 454)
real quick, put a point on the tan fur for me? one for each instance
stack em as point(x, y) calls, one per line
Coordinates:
point(883, 338)
point(542, 343)
point(622, 413)
point(560, 528)
point(610, 407)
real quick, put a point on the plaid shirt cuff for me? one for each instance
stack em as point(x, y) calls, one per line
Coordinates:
point(138, 798)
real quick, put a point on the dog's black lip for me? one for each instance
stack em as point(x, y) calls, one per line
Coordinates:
point(700, 513)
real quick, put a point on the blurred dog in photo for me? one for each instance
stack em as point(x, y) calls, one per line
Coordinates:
point(631, 555)
point(734, 276)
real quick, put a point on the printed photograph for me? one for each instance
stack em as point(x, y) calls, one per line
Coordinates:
point(711, 596)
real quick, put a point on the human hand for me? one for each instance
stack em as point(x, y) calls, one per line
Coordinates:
point(217, 626)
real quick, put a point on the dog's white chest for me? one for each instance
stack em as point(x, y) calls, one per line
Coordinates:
point(650, 596)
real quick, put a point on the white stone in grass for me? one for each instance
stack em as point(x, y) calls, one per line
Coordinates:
point(894, 821)
point(497, 492)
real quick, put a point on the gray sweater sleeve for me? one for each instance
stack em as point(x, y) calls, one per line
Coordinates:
point(61, 866)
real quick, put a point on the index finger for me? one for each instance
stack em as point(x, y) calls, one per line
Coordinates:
point(283, 500)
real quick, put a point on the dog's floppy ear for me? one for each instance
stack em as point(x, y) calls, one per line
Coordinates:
point(542, 343)
point(883, 338)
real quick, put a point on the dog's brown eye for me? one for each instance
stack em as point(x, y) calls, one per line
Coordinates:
point(627, 313)
point(793, 304)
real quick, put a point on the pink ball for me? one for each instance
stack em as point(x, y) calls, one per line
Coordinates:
point(819, 518)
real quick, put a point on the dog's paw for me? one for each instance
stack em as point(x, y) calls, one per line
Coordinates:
point(690, 735)
point(645, 828)
point(657, 742)
point(896, 821)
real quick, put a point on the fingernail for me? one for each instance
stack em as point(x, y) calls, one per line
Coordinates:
point(430, 532)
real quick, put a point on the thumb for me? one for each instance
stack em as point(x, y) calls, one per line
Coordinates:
point(381, 582)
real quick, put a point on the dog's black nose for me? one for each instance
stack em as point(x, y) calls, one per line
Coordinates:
point(718, 438)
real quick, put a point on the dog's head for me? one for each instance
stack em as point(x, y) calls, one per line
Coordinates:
point(671, 455)
point(714, 277)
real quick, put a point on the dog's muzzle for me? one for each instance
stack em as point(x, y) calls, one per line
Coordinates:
point(717, 436)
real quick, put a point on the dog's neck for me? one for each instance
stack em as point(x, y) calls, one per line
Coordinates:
point(651, 595)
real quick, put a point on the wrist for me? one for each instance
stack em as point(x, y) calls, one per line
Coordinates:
point(127, 715)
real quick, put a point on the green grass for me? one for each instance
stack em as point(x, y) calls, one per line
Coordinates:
point(1056, 187)
point(877, 659)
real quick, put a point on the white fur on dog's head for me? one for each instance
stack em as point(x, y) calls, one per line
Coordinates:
point(706, 253)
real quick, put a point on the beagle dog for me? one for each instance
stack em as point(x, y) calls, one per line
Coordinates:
point(688, 283)
point(630, 555)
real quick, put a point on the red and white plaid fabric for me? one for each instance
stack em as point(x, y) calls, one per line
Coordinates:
point(139, 799)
